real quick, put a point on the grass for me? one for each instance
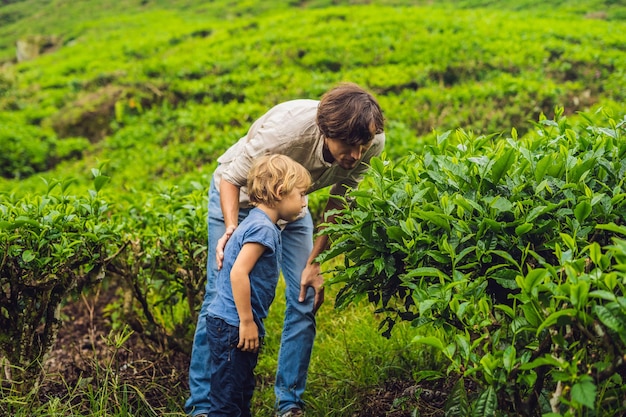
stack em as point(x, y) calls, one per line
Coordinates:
point(350, 358)
point(350, 361)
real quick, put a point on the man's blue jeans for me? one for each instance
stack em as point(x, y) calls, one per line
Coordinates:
point(299, 323)
point(232, 371)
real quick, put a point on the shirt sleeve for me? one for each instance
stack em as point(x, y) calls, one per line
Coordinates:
point(261, 139)
point(263, 235)
point(285, 129)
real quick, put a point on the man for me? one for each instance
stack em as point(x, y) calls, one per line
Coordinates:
point(334, 139)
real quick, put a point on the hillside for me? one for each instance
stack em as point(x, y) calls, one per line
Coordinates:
point(171, 84)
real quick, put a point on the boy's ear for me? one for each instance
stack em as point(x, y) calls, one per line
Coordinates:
point(279, 192)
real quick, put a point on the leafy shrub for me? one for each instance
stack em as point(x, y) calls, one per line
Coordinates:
point(162, 267)
point(469, 237)
point(51, 247)
point(29, 149)
point(69, 148)
point(24, 149)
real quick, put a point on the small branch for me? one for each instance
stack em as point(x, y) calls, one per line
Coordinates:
point(116, 254)
point(555, 399)
point(617, 365)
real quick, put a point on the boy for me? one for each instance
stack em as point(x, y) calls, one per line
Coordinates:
point(277, 187)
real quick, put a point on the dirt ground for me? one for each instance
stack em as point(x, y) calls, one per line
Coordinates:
point(84, 353)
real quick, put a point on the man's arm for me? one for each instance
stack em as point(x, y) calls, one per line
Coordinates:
point(229, 201)
point(312, 274)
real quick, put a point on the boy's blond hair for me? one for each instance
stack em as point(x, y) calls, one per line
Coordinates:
point(272, 176)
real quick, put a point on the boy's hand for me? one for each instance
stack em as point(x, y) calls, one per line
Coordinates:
point(248, 337)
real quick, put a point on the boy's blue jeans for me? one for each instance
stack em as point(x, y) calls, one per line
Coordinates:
point(299, 324)
point(232, 371)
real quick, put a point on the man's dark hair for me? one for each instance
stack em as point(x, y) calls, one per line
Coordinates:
point(350, 114)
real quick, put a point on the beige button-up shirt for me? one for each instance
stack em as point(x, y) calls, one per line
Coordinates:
point(290, 129)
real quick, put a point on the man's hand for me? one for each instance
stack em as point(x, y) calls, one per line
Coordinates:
point(312, 277)
point(248, 336)
point(221, 244)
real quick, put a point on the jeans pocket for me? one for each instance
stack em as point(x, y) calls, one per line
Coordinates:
point(227, 335)
point(233, 337)
point(218, 329)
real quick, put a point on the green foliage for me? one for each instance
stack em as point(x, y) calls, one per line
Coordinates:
point(52, 246)
point(226, 64)
point(24, 149)
point(28, 149)
point(162, 267)
point(475, 206)
point(492, 240)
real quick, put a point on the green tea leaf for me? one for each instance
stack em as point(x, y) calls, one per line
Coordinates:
point(546, 360)
point(531, 315)
point(502, 165)
point(554, 317)
point(486, 404)
point(430, 341)
point(612, 227)
point(457, 404)
point(610, 316)
point(506, 309)
point(584, 392)
point(533, 278)
point(579, 293)
point(582, 210)
point(542, 166)
point(463, 344)
point(100, 181)
point(569, 241)
point(424, 272)
point(595, 253)
point(28, 255)
point(523, 229)
point(508, 358)
point(605, 295)
point(501, 204)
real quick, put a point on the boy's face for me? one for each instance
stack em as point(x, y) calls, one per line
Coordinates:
point(347, 156)
point(292, 204)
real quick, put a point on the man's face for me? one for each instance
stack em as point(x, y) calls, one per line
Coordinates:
point(346, 156)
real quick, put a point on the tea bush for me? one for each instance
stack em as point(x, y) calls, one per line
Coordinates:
point(53, 246)
point(497, 241)
point(162, 268)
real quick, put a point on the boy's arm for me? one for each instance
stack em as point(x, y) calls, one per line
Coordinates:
point(240, 281)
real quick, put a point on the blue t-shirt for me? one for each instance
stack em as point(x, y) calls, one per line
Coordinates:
point(257, 227)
